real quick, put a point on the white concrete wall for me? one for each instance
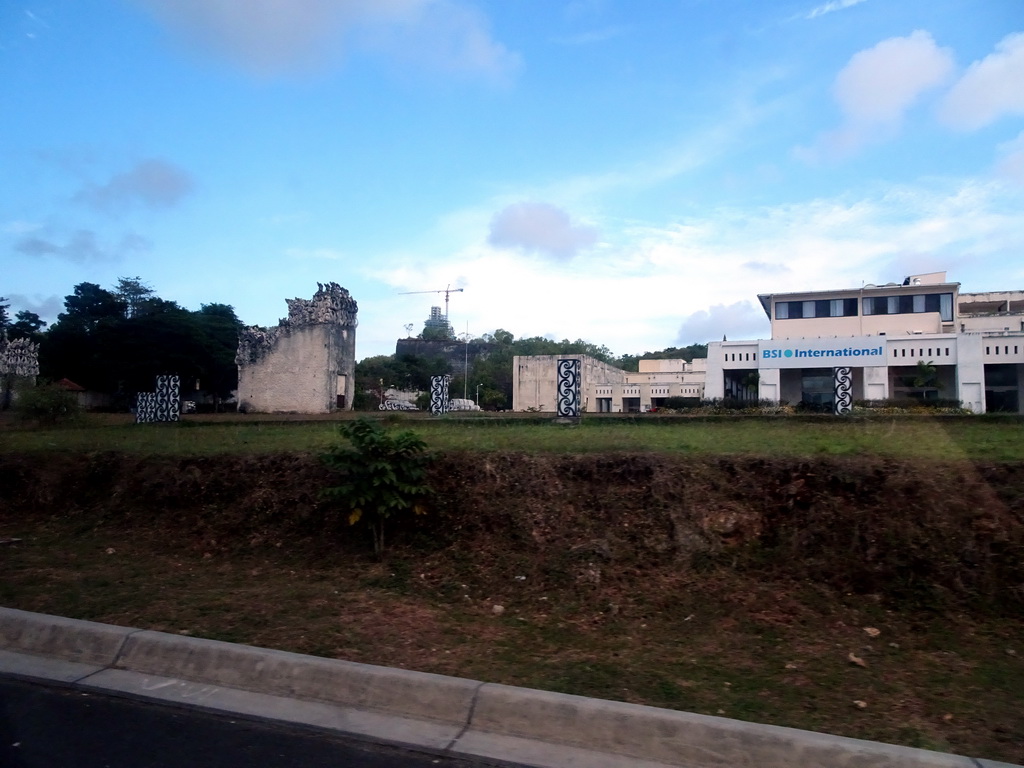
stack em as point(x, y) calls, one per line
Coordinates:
point(302, 373)
point(970, 372)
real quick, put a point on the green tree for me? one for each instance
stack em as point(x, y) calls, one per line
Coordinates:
point(925, 376)
point(91, 305)
point(102, 344)
point(134, 294)
point(47, 404)
point(381, 475)
point(27, 325)
point(75, 346)
point(632, 362)
point(218, 325)
point(437, 334)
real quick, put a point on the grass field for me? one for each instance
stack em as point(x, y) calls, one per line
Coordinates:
point(975, 438)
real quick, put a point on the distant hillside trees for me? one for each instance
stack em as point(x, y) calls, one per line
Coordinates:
point(632, 362)
point(493, 373)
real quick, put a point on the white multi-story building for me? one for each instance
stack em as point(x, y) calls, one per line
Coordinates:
point(919, 338)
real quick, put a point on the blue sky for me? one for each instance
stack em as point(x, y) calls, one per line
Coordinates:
point(630, 173)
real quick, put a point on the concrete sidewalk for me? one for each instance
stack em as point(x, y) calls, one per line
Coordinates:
point(446, 715)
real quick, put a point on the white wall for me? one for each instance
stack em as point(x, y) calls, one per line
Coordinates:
point(300, 373)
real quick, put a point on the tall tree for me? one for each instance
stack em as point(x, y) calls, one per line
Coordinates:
point(26, 325)
point(135, 295)
point(75, 346)
point(218, 326)
point(89, 306)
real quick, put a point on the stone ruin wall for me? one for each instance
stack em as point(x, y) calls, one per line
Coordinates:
point(19, 362)
point(304, 363)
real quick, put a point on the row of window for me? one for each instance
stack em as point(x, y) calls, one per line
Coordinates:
point(942, 303)
point(796, 310)
point(911, 304)
point(939, 352)
point(1006, 350)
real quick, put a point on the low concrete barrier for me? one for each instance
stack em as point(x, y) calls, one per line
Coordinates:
point(85, 642)
point(362, 686)
point(470, 718)
point(682, 738)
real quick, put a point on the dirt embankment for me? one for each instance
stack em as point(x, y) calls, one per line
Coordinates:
point(919, 531)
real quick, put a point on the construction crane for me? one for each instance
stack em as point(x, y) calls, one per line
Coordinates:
point(446, 291)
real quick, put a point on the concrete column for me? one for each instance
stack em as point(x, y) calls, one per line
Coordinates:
point(970, 371)
point(768, 384)
point(714, 383)
point(876, 382)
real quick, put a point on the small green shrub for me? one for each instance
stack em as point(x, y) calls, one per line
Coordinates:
point(680, 403)
point(382, 475)
point(47, 404)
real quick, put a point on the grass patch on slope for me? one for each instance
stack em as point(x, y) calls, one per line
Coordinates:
point(978, 438)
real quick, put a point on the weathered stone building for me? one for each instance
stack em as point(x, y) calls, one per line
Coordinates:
point(307, 363)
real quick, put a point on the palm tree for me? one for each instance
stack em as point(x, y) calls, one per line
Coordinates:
point(925, 376)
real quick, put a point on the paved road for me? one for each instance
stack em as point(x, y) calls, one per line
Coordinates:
point(44, 726)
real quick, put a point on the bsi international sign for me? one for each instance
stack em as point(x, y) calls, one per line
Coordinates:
point(854, 351)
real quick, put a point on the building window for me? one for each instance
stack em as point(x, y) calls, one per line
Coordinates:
point(796, 310)
point(911, 304)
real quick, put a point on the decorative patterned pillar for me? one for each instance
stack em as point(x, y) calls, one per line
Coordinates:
point(145, 407)
point(843, 401)
point(439, 394)
point(162, 405)
point(168, 398)
point(568, 389)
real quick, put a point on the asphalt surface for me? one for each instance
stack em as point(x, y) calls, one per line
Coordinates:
point(45, 726)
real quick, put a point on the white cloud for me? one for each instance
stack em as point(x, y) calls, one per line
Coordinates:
point(330, 254)
point(47, 308)
point(877, 87)
point(446, 36)
point(152, 182)
point(879, 84)
point(990, 89)
point(83, 247)
point(540, 228)
point(830, 7)
point(740, 320)
point(664, 285)
point(280, 37)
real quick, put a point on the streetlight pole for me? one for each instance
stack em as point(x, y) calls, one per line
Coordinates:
point(465, 369)
point(477, 395)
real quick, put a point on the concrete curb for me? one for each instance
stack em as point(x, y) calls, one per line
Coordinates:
point(417, 709)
